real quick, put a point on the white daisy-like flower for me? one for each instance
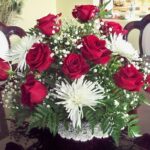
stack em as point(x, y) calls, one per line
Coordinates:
point(77, 95)
point(122, 47)
point(18, 52)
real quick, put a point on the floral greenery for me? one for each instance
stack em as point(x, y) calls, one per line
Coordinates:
point(113, 112)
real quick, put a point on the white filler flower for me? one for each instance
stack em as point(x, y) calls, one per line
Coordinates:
point(77, 95)
point(122, 47)
point(18, 52)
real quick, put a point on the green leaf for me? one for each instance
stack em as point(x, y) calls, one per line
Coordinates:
point(133, 122)
point(116, 136)
point(133, 131)
point(106, 125)
point(146, 101)
point(44, 117)
point(104, 5)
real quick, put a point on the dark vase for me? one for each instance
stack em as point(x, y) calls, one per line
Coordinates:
point(46, 141)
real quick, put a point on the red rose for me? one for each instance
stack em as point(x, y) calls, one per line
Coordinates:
point(112, 27)
point(32, 92)
point(147, 89)
point(4, 68)
point(74, 66)
point(38, 57)
point(129, 78)
point(94, 49)
point(49, 24)
point(84, 13)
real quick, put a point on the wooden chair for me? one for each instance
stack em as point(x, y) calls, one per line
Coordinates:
point(144, 39)
point(144, 46)
point(5, 44)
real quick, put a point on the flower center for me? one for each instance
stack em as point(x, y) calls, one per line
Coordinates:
point(77, 99)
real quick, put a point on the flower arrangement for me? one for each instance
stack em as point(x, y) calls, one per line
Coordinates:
point(71, 74)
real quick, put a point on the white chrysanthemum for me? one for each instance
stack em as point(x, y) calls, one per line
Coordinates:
point(122, 47)
point(77, 95)
point(18, 52)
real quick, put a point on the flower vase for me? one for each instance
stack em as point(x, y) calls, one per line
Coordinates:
point(46, 141)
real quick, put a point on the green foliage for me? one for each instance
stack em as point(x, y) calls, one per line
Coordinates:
point(93, 116)
point(44, 118)
point(103, 12)
point(133, 129)
point(113, 118)
point(50, 117)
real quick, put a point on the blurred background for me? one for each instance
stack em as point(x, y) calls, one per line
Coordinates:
point(25, 12)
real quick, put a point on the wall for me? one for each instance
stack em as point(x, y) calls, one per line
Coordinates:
point(34, 9)
point(66, 6)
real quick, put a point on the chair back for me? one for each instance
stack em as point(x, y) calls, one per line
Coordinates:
point(5, 34)
point(144, 38)
point(144, 45)
point(5, 44)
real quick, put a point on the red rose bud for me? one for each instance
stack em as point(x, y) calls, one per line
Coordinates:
point(112, 27)
point(4, 70)
point(33, 92)
point(129, 78)
point(74, 66)
point(85, 13)
point(39, 57)
point(94, 49)
point(147, 79)
point(49, 24)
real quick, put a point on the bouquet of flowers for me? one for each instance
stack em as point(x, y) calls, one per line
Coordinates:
point(75, 77)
